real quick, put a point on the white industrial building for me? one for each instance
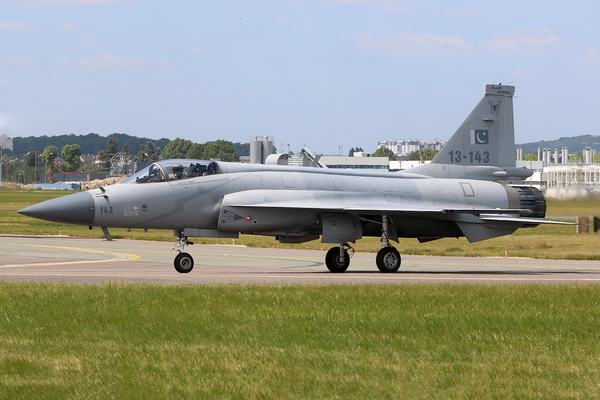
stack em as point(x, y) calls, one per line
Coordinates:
point(555, 173)
point(403, 147)
point(6, 142)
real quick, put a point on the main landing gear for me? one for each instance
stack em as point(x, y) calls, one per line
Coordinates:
point(388, 259)
point(184, 262)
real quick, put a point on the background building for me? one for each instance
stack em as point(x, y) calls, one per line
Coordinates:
point(403, 147)
point(6, 142)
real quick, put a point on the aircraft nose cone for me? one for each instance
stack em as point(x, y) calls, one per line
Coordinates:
point(76, 209)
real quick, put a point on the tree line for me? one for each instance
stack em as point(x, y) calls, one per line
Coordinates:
point(149, 152)
point(417, 155)
point(93, 143)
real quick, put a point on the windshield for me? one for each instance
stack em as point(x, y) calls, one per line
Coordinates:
point(171, 170)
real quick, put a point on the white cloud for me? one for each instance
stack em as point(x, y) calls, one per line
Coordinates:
point(110, 61)
point(385, 5)
point(408, 42)
point(525, 41)
point(16, 61)
point(14, 25)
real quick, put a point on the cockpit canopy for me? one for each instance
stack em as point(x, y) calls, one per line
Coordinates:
point(171, 170)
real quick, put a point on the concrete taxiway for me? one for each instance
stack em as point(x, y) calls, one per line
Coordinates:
point(79, 260)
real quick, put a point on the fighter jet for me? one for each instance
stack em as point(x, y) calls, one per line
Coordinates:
point(457, 195)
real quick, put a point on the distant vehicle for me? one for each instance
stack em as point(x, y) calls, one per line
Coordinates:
point(453, 196)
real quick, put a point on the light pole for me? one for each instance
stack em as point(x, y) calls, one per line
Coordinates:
point(36, 170)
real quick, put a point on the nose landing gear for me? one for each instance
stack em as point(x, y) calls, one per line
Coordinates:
point(184, 262)
point(337, 259)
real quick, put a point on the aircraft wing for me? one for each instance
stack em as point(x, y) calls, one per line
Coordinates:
point(352, 202)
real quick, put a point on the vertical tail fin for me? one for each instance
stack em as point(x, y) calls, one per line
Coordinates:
point(483, 146)
point(487, 135)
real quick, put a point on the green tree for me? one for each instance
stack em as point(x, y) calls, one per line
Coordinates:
point(149, 152)
point(576, 157)
point(354, 150)
point(427, 154)
point(222, 150)
point(30, 158)
point(196, 152)
point(384, 152)
point(243, 148)
point(177, 148)
point(111, 146)
point(72, 155)
point(530, 156)
point(414, 156)
point(50, 154)
point(126, 149)
point(106, 155)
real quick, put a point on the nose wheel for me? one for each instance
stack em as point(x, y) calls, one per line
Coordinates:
point(337, 259)
point(184, 263)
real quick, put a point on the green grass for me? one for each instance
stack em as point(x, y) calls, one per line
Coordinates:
point(545, 241)
point(292, 341)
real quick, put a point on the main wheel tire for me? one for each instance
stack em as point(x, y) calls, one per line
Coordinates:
point(184, 263)
point(332, 260)
point(388, 260)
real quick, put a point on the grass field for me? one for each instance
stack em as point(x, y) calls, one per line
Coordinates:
point(62, 341)
point(288, 342)
point(546, 241)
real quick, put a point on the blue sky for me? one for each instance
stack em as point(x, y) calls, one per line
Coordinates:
point(324, 74)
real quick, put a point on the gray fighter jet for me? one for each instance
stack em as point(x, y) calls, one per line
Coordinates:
point(456, 195)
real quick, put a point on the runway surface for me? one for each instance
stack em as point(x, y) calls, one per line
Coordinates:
point(79, 260)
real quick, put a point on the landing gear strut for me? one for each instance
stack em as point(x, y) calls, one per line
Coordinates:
point(337, 259)
point(184, 262)
point(388, 258)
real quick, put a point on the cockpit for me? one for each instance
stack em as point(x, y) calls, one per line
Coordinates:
point(173, 170)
